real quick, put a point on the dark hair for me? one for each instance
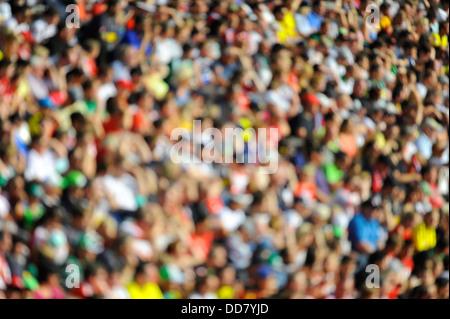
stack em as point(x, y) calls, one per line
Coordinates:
point(140, 269)
point(112, 106)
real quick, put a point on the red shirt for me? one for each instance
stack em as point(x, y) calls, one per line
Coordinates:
point(202, 244)
point(112, 125)
point(139, 120)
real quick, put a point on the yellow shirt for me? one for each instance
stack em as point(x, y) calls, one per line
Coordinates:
point(385, 22)
point(287, 29)
point(439, 41)
point(424, 237)
point(148, 291)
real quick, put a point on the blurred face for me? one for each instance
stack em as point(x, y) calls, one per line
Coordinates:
point(219, 257)
point(317, 157)
point(132, 57)
point(354, 44)
point(348, 269)
point(331, 264)
point(228, 276)
point(306, 240)
point(428, 219)
point(271, 283)
point(369, 213)
point(360, 88)
point(300, 282)
point(321, 8)
point(41, 146)
point(100, 281)
point(6, 243)
point(265, 48)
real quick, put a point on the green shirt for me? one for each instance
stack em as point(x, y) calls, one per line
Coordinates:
point(332, 173)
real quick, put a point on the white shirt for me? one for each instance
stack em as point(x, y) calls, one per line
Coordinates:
point(422, 89)
point(442, 15)
point(40, 167)
point(168, 50)
point(42, 31)
point(231, 220)
point(14, 26)
point(5, 11)
point(121, 71)
point(105, 92)
point(302, 24)
point(123, 189)
point(4, 207)
point(38, 87)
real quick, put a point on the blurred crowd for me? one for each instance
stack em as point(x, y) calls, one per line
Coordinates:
point(92, 205)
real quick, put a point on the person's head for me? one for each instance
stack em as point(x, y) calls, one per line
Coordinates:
point(369, 209)
point(316, 156)
point(52, 16)
point(310, 102)
point(384, 8)
point(40, 144)
point(23, 14)
point(93, 48)
point(431, 128)
point(97, 276)
point(442, 288)
point(145, 273)
point(142, 23)
point(279, 12)
point(129, 55)
point(319, 7)
point(265, 47)
point(218, 256)
point(394, 244)
point(5, 241)
point(331, 263)
point(298, 282)
point(114, 7)
point(48, 274)
point(347, 126)
point(343, 161)
point(431, 219)
point(117, 165)
point(362, 61)
point(90, 89)
point(112, 107)
point(345, 288)
point(430, 174)
point(143, 100)
point(383, 164)
point(376, 72)
point(347, 267)
point(78, 121)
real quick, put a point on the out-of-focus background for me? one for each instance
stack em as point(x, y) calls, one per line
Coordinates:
point(93, 205)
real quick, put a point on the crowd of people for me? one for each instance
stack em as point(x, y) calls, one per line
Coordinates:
point(92, 204)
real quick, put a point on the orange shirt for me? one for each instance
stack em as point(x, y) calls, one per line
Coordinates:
point(202, 244)
point(348, 144)
point(307, 189)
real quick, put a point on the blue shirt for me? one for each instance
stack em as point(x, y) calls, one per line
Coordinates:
point(315, 20)
point(302, 23)
point(424, 145)
point(132, 38)
point(362, 230)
